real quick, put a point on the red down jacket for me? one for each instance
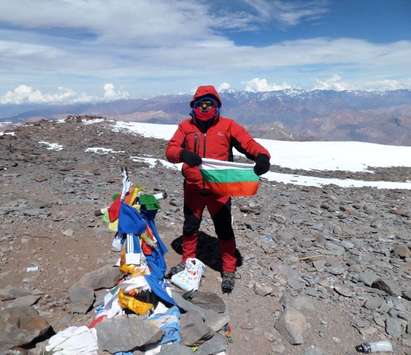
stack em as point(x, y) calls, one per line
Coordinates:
point(216, 143)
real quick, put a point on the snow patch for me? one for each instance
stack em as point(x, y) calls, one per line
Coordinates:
point(345, 183)
point(152, 162)
point(93, 121)
point(336, 156)
point(102, 151)
point(159, 131)
point(333, 156)
point(7, 133)
point(52, 146)
point(295, 179)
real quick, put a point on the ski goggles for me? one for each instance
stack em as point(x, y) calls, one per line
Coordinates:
point(205, 104)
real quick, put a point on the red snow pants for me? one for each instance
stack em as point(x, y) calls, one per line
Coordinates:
point(219, 208)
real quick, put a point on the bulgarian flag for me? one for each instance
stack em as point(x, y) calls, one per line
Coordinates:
point(227, 178)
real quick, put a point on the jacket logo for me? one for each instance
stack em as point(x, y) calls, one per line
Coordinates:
point(221, 134)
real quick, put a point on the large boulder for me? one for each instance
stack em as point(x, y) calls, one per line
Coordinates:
point(126, 334)
point(194, 331)
point(213, 319)
point(81, 297)
point(20, 326)
point(175, 349)
point(216, 345)
point(105, 277)
point(387, 285)
point(11, 293)
point(208, 300)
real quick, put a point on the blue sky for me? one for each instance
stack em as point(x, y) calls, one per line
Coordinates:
point(83, 50)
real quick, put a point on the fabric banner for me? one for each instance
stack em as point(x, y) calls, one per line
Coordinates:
point(227, 178)
point(130, 221)
point(133, 250)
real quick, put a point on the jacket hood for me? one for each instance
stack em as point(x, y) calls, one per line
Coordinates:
point(206, 90)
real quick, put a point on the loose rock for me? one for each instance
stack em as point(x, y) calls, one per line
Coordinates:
point(126, 333)
point(292, 325)
point(20, 326)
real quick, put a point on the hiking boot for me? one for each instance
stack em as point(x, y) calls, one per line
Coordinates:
point(227, 284)
point(176, 269)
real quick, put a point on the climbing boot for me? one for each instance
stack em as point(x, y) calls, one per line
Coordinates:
point(176, 269)
point(227, 283)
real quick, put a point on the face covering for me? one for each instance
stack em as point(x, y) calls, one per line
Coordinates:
point(205, 115)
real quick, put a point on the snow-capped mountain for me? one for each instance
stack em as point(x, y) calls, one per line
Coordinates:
point(372, 116)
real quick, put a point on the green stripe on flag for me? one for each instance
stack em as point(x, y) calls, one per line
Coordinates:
point(229, 175)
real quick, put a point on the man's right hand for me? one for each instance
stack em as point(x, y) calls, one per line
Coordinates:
point(190, 158)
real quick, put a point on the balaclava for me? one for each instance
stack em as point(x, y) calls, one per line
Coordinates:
point(203, 113)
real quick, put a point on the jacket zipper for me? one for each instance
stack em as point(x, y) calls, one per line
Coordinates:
point(204, 152)
point(196, 143)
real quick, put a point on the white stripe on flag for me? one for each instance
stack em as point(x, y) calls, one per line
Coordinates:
point(132, 256)
point(223, 164)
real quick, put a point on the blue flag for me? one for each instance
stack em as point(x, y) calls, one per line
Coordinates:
point(130, 221)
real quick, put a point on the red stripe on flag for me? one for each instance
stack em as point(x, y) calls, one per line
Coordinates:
point(248, 188)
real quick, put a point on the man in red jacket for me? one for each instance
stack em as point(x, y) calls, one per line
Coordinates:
point(207, 134)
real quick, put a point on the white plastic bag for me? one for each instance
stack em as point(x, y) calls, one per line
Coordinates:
point(117, 243)
point(189, 279)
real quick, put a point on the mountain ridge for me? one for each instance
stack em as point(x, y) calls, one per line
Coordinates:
point(370, 116)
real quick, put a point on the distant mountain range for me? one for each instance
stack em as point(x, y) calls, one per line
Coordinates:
point(380, 117)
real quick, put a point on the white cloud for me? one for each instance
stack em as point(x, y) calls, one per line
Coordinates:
point(387, 84)
point(27, 50)
point(334, 82)
point(111, 94)
point(224, 87)
point(289, 13)
point(54, 41)
point(109, 20)
point(143, 21)
point(222, 56)
point(260, 85)
point(27, 94)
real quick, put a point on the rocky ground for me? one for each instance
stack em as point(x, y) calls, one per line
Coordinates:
point(322, 269)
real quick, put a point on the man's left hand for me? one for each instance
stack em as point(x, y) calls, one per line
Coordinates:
point(262, 164)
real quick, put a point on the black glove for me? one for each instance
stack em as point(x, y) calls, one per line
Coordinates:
point(190, 158)
point(262, 164)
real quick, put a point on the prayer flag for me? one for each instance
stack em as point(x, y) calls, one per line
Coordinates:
point(130, 221)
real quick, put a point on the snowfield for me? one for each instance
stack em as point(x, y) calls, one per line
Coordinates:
point(333, 156)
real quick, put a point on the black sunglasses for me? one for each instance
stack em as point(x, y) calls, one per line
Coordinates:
point(204, 104)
